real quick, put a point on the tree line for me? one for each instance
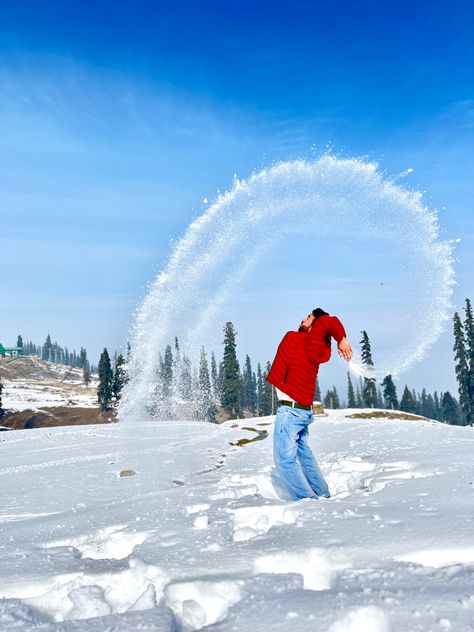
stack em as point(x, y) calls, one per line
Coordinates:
point(53, 352)
point(239, 391)
point(247, 391)
point(224, 387)
point(204, 388)
point(442, 406)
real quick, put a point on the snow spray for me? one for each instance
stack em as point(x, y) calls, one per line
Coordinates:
point(323, 197)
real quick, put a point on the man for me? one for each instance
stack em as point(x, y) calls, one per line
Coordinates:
point(293, 374)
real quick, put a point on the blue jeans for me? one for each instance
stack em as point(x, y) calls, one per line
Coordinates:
point(293, 457)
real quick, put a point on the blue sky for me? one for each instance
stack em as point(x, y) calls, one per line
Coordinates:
point(118, 119)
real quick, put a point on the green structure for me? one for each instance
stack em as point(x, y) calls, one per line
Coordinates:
point(13, 352)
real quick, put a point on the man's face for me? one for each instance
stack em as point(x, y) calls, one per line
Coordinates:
point(306, 323)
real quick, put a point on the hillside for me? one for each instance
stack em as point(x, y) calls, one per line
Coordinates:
point(180, 526)
point(38, 393)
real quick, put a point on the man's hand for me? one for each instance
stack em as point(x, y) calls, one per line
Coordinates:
point(344, 349)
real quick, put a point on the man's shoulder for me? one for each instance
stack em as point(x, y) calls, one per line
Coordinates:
point(321, 324)
point(292, 339)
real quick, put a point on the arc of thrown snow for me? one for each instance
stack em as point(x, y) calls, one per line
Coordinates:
point(325, 196)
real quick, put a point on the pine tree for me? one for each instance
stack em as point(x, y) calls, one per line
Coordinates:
point(206, 407)
point(167, 373)
point(214, 377)
point(230, 387)
point(158, 376)
point(268, 398)
point(119, 376)
point(242, 398)
point(359, 401)
point(176, 367)
point(104, 391)
point(254, 391)
point(389, 393)
point(450, 412)
point(430, 411)
point(416, 398)
point(220, 379)
point(351, 400)
point(461, 364)
point(328, 400)
point(19, 342)
point(423, 401)
point(437, 404)
point(407, 404)
point(317, 392)
point(260, 387)
point(469, 331)
point(369, 392)
point(185, 380)
point(82, 357)
point(46, 351)
point(194, 378)
point(250, 395)
point(86, 372)
point(331, 399)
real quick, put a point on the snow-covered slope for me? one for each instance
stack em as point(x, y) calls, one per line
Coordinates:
point(33, 384)
point(196, 534)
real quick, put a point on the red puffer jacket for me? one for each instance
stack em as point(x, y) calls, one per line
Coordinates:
point(295, 367)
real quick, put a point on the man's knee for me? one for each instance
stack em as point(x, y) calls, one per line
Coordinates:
point(284, 458)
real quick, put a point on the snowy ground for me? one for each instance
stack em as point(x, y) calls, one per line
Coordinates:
point(198, 535)
point(33, 384)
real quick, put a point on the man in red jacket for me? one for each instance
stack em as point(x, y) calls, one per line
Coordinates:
point(293, 374)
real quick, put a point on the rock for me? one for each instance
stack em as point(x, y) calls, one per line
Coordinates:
point(127, 473)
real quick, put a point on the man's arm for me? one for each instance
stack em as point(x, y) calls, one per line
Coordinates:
point(336, 329)
point(319, 351)
point(339, 334)
point(344, 349)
